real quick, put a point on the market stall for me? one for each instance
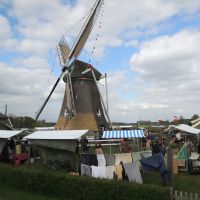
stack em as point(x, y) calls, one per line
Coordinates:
point(183, 161)
point(12, 149)
point(58, 147)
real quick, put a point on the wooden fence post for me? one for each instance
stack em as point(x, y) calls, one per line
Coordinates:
point(196, 196)
point(176, 195)
point(186, 196)
point(170, 165)
point(171, 193)
point(191, 196)
point(181, 195)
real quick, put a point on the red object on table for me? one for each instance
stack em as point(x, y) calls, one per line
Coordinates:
point(18, 158)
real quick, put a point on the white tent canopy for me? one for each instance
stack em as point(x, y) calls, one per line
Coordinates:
point(185, 128)
point(57, 135)
point(188, 129)
point(5, 134)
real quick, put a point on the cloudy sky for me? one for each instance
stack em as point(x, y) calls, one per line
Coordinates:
point(150, 50)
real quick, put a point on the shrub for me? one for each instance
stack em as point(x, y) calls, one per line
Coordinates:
point(75, 187)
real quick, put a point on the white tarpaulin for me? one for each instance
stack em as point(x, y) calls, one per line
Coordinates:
point(5, 134)
point(57, 135)
point(188, 129)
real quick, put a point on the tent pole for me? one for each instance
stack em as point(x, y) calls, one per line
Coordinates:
point(106, 92)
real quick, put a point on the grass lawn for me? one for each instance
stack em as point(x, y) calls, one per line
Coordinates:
point(183, 181)
point(187, 182)
point(7, 193)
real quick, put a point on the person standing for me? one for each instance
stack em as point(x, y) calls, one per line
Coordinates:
point(158, 147)
point(98, 148)
point(198, 146)
point(126, 148)
point(84, 145)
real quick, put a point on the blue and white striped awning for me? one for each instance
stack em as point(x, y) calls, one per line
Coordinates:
point(123, 134)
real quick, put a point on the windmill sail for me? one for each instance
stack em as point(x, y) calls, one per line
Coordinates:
point(75, 51)
point(83, 39)
point(63, 51)
point(83, 36)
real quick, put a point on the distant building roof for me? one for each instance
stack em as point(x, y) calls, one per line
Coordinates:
point(143, 122)
point(122, 126)
point(2, 116)
point(44, 128)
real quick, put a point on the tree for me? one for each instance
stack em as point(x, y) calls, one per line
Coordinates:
point(195, 116)
point(28, 122)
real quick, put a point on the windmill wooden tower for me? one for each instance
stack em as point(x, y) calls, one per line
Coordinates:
point(83, 106)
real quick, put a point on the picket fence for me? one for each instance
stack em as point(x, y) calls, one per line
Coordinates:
point(180, 195)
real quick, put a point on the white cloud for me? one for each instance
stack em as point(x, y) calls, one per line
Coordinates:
point(172, 57)
point(187, 6)
point(32, 62)
point(3, 3)
point(170, 66)
point(5, 28)
point(37, 47)
point(24, 90)
point(7, 41)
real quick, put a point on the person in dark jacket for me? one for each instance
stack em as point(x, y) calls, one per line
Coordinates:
point(155, 148)
point(84, 145)
point(198, 146)
point(158, 147)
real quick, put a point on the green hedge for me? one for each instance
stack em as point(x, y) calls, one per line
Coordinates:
point(74, 188)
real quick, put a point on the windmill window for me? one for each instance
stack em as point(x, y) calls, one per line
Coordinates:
point(66, 113)
point(102, 129)
point(98, 113)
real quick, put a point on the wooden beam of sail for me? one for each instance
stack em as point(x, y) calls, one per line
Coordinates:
point(68, 107)
point(101, 98)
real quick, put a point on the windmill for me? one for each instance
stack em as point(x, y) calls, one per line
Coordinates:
point(83, 106)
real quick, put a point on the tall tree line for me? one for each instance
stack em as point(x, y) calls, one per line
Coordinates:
point(28, 122)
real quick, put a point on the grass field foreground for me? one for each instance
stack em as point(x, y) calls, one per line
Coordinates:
point(8, 193)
